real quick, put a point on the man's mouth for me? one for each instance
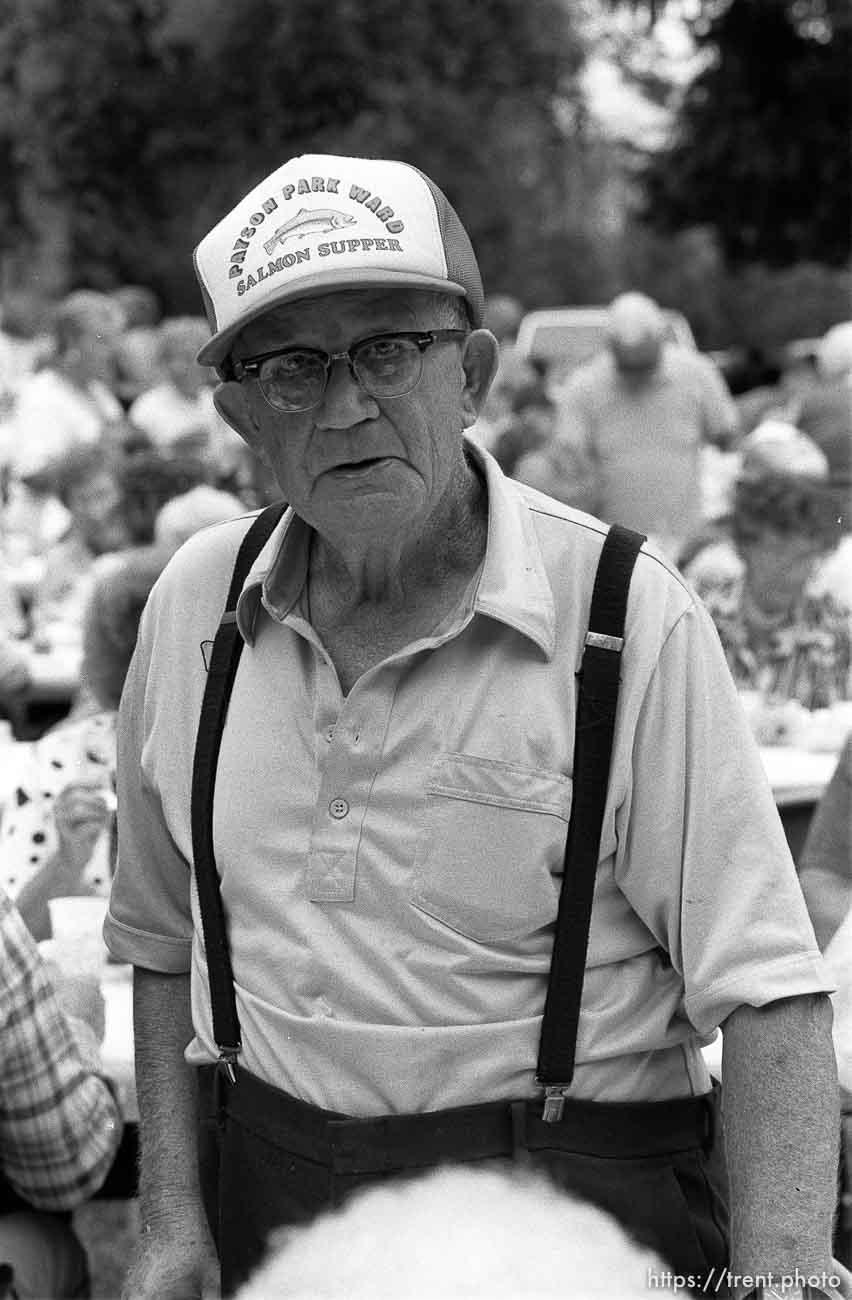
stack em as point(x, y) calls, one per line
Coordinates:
point(353, 467)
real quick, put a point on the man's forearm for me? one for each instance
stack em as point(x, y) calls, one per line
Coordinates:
point(167, 1093)
point(781, 1134)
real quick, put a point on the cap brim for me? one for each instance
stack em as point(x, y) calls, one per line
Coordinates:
point(310, 286)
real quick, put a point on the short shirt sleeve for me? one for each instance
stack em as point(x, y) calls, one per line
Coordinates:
point(702, 855)
point(149, 923)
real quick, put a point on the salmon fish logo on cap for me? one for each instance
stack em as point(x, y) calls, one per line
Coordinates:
point(322, 222)
point(308, 222)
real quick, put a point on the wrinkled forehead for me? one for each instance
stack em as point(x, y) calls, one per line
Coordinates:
point(338, 317)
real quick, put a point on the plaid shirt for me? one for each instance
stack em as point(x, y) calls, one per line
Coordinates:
point(60, 1124)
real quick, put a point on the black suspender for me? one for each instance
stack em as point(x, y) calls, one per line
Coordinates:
point(596, 707)
point(224, 658)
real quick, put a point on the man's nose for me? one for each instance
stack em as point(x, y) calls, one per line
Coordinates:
point(344, 402)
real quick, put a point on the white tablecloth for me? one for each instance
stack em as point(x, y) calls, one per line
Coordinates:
point(797, 775)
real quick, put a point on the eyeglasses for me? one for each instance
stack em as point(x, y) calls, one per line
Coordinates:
point(385, 365)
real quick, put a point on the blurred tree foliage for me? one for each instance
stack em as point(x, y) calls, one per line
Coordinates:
point(762, 146)
point(127, 127)
point(144, 120)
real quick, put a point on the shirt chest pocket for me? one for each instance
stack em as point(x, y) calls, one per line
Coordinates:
point(492, 841)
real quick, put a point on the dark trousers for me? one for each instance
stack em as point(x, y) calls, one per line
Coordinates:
point(268, 1160)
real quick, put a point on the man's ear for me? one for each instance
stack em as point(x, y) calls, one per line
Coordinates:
point(481, 355)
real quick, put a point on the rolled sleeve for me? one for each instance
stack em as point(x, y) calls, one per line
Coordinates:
point(723, 897)
point(149, 922)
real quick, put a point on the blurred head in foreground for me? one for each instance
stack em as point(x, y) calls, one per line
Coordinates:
point(454, 1233)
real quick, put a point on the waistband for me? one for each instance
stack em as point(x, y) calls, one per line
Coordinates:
point(614, 1130)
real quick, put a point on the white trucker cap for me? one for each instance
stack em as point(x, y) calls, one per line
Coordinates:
point(320, 223)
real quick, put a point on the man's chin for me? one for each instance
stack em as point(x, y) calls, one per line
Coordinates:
point(351, 485)
point(379, 503)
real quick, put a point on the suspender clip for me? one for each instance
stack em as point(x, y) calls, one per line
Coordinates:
point(554, 1103)
point(227, 1061)
point(603, 641)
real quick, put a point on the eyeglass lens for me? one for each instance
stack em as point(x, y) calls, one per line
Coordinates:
point(296, 381)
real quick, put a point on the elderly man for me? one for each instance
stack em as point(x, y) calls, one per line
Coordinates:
point(356, 988)
point(637, 415)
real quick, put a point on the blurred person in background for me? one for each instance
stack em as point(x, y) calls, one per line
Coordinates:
point(183, 516)
point(798, 376)
point(783, 619)
point(62, 801)
point(528, 427)
point(475, 1233)
point(754, 381)
point(60, 1124)
point(86, 481)
point(52, 834)
point(137, 352)
point(71, 399)
point(178, 414)
point(638, 414)
point(180, 402)
point(148, 479)
point(68, 403)
point(14, 670)
point(824, 413)
point(22, 347)
point(15, 679)
point(502, 315)
point(526, 444)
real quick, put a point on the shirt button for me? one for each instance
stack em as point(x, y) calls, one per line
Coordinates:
point(329, 734)
point(338, 808)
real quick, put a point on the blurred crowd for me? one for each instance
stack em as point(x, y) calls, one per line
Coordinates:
point(109, 441)
point(112, 454)
point(744, 481)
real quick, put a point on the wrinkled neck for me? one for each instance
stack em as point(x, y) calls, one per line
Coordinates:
point(392, 571)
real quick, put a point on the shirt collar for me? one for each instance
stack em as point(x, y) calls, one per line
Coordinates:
point(514, 587)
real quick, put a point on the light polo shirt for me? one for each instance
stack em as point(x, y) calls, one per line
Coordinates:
point(643, 435)
point(390, 859)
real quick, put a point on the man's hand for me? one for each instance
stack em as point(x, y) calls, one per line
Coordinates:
point(177, 1263)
